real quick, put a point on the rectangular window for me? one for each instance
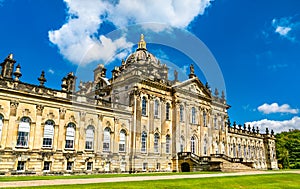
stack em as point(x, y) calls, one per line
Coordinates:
point(22, 139)
point(1, 126)
point(48, 136)
point(158, 166)
point(145, 166)
point(47, 165)
point(89, 166)
point(69, 166)
point(21, 166)
point(47, 142)
point(88, 145)
point(106, 146)
point(168, 146)
point(69, 144)
point(122, 147)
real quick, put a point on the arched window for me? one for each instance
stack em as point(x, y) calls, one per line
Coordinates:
point(48, 134)
point(23, 132)
point(181, 111)
point(249, 152)
point(89, 138)
point(223, 148)
point(222, 124)
point(193, 115)
point(168, 111)
point(205, 147)
point(1, 126)
point(156, 107)
point(106, 139)
point(216, 122)
point(193, 145)
point(245, 151)
point(144, 142)
point(70, 136)
point(239, 150)
point(156, 143)
point(168, 141)
point(144, 106)
point(204, 119)
point(216, 147)
point(181, 143)
point(122, 141)
point(234, 150)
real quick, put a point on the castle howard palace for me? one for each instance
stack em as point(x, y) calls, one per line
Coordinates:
point(136, 121)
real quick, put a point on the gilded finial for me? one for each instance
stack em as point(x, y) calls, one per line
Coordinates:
point(142, 43)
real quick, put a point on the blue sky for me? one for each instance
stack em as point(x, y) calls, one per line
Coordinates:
point(256, 45)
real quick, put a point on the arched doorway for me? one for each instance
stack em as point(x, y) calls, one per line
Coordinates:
point(185, 167)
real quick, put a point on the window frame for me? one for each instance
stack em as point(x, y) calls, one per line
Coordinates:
point(156, 143)
point(106, 140)
point(181, 113)
point(193, 144)
point(49, 166)
point(89, 166)
point(22, 165)
point(168, 144)
point(168, 106)
point(144, 106)
point(156, 108)
point(144, 142)
point(47, 139)
point(70, 143)
point(1, 126)
point(122, 143)
point(193, 115)
point(23, 136)
point(70, 165)
point(89, 140)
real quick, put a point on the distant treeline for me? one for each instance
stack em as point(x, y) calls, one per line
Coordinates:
point(288, 149)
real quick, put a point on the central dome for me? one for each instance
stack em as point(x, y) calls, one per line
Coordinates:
point(141, 53)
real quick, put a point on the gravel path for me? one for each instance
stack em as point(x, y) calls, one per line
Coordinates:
point(128, 179)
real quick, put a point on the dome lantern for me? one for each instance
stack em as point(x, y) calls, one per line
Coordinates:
point(142, 43)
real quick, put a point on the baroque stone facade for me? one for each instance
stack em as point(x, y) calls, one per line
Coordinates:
point(138, 120)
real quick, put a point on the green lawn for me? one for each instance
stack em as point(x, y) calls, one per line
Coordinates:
point(50, 177)
point(272, 181)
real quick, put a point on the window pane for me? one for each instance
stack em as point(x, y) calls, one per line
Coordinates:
point(144, 142)
point(22, 139)
point(89, 166)
point(144, 106)
point(89, 137)
point(21, 166)
point(156, 143)
point(122, 141)
point(106, 140)
point(168, 144)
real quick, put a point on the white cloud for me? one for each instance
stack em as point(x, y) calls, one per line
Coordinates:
point(275, 108)
point(51, 71)
point(283, 30)
point(79, 40)
point(277, 126)
point(286, 27)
